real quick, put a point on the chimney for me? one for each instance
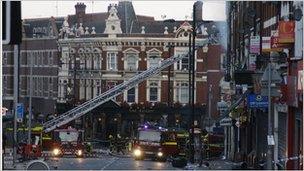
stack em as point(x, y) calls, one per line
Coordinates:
point(80, 12)
point(199, 10)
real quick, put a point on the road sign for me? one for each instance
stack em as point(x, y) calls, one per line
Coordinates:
point(274, 92)
point(275, 77)
point(270, 140)
point(20, 112)
point(11, 22)
point(226, 122)
point(257, 101)
point(222, 106)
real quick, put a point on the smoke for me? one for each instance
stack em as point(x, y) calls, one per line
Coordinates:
point(222, 33)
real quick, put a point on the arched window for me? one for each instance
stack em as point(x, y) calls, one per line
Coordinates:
point(154, 60)
point(131, 62)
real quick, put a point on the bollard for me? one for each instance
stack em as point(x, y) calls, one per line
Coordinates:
point(37, 165)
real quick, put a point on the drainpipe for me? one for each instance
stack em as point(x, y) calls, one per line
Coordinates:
point(276, 141)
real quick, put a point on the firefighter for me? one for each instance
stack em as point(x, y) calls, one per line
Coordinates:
point(89, 147)
point(111, 139)
point(120, 144)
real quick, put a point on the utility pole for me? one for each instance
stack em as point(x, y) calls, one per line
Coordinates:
point(16, 98)
point(209, 104)
point(169, 89)
point(30, 102)
point(269, 149)
point(193, 75)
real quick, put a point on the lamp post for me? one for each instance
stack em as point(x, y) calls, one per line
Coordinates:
point(170, 87)
point(192, 60)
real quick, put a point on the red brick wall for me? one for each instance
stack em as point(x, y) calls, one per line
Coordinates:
point(142, 64)
point(142, 92)
point(201, 93)
point(164, 91)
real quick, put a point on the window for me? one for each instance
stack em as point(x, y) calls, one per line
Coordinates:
point(4, 85)
point(131, 95)
point(182, 64)
point(89, 62)
point(51, 59)
point(182, 94)
point(112, 61)
point(82, 62)
point(131, 62)
point(153, 61)
point(98, 88)
point(223, 62)
point(96, 61)
point(109, 85)
point(4, 58)
point(153, 92)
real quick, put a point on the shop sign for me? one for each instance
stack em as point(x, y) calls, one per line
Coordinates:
point(226, 122)
point(286, 31)
point(292, 96)
point(300, 77)
point(266, 44)
point(20, 112)
point(255, 44)
point(276, 45)
point(282, 108)
point(300, 80)
point(252, 62)
point(257, 101)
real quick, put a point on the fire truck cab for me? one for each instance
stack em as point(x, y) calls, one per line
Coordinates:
point(68, 142)
point(156, 143)
point(148, 143)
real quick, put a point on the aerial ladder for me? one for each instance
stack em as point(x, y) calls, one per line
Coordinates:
point(109, 94)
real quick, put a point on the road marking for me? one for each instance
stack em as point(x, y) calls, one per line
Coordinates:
point(107, 165)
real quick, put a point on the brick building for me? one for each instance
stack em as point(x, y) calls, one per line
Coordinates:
point(100, 50)
point(39, 45)
point(255, 26)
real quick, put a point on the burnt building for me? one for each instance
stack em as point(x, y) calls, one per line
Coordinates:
point(97, 51)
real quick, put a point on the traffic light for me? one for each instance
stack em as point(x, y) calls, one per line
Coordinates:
point(11, 22)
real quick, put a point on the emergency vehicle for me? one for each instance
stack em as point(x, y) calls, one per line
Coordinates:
point(68, 142)
point(213, 144)
point(28, 151)
point(156, 143)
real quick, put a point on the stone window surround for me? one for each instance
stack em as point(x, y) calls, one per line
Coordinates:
point(149, 82)
point(130, 52)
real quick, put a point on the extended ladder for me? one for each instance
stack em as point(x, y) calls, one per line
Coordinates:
point(106, 96)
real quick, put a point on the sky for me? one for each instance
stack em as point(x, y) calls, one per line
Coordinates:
point(178, 10)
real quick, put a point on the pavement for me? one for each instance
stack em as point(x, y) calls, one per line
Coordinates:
point(216, 164)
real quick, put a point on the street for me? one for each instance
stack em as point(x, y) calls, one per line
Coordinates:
point(126, 163)
point(107, 163)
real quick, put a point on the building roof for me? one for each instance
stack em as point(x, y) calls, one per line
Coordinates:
point(130, 23)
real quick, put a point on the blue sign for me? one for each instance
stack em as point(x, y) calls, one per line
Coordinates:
point(257, 101)
point(20, 111)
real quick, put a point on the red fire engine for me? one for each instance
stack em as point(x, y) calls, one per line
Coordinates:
point(155, 142)
point(68, 142)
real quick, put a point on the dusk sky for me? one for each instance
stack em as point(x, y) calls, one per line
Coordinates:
point(212, 10)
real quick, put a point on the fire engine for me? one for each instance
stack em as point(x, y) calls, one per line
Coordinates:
point(156, 143)
point(213, 144)
point(68, 142)
point(28, 151)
